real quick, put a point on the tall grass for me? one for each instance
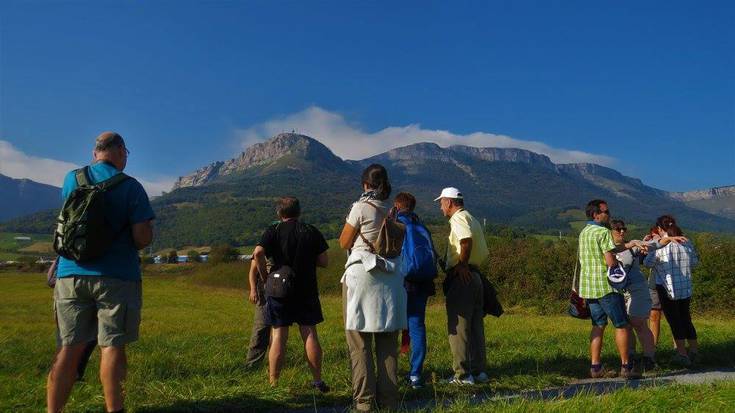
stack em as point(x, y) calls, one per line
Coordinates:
point(193, 344)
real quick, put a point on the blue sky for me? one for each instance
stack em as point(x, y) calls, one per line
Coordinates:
point(647, 88)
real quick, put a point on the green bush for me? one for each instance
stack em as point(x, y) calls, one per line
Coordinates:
point(222, 253)
point(529, 272)
point(194, 256)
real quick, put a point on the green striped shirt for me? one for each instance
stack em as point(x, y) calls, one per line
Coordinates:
point(594, 242)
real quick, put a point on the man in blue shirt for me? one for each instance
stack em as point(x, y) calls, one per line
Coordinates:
point(102, 297)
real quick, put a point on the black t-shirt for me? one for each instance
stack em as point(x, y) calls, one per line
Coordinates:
point(298, 245)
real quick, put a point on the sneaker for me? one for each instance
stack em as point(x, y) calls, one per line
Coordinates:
point(481, 378)
point(469, 380)
point(682, 361)
point(321, 386)
point(629, 371)
point(415, 382)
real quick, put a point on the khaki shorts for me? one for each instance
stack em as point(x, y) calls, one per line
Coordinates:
point(92, 306)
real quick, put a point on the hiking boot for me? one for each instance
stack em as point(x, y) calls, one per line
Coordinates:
point(321, 386)
point(597, 372)
point(629, 371)
point(647, 365)
point(482, 377)
point(681, 361)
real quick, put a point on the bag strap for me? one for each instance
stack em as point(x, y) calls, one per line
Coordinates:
point(359, 232)
point(112, 181)
point(82, 176)
point(574, 277)
point(376, 208)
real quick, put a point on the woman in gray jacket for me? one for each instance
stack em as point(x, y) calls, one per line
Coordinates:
point(374, 298)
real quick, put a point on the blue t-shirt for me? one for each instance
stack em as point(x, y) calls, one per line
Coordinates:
point(127, 204)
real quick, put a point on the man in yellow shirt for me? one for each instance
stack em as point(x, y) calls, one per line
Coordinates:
point(466, 250)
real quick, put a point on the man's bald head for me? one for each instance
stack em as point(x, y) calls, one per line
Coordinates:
point(107, 140)
point(110, 147)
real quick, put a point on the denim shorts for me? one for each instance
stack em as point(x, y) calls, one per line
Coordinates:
point(611, 305)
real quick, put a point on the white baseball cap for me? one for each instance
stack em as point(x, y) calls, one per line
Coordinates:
point(450, 192)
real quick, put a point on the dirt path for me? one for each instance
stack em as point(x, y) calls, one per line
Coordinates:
point(590, 386)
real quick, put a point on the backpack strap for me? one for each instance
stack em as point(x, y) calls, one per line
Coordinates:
point(82, 176)
point(376, 207)
point(359, 232)
point(112, 181)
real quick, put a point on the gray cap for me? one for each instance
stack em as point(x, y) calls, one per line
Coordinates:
point(107, 140)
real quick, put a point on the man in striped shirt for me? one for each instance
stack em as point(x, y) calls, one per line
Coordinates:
point(595, 257)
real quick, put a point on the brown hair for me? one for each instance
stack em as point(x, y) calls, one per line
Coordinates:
point(668, 224)
point(376, 178)
point(617, 224)
point(404, 200)
point(288, 207)
point(594, 207)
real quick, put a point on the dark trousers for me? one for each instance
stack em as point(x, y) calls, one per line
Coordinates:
point(677, 315)
point(260, 336)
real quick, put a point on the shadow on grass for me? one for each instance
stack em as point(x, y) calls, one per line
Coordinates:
point(505, 385)
point(253, 403)
point(711, 355)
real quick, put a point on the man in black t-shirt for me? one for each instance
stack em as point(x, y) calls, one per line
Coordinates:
point(303, 248)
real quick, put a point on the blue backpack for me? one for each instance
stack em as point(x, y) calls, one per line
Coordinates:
point(418, 258)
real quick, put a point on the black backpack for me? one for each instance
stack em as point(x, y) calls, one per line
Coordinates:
point(281, 281)
point(82, 231)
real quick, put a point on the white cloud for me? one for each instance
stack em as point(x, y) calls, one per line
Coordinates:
point(349, 141)
point(158, 186)
point(17, 164)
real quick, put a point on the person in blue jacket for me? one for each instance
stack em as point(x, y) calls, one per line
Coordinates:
point(419, 266)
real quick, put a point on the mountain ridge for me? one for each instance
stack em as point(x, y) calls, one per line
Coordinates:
point(415, 167)
point(22, 196)
point(232, 201)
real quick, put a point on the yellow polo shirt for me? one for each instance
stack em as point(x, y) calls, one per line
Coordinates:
point(463, 225)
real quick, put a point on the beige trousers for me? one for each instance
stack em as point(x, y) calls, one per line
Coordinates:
point(373, 381)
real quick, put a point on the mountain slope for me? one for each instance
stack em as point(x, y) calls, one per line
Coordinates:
point(524, 188)
point(23, 196)
point(232, 201)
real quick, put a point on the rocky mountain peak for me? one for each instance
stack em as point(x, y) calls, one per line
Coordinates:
point(719, 192)
point(264, 153)
point(505, 155)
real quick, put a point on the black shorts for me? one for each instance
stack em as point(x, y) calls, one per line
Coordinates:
point(282, 312)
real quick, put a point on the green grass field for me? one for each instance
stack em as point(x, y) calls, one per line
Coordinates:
point(12, 249)
point(193, 345)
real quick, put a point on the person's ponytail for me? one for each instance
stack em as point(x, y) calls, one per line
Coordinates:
point(668, 224)
point(376, 178)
